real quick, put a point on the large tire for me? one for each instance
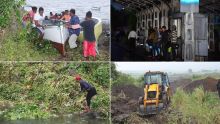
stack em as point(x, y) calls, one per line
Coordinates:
point(141, 100)
point(165, 100)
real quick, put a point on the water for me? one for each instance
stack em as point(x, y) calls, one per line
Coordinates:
point(99, 8)
point(73, 119)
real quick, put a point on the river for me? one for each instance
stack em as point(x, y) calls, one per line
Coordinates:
point(72, 119)
point(99, 8)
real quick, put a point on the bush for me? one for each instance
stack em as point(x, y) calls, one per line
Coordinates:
point(26, 111)
point(46, 88)
point(6, 8)
point(199, 107)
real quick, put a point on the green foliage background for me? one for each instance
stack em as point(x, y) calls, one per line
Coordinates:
point(119, 78)
point(8, 9)
point(40, 90)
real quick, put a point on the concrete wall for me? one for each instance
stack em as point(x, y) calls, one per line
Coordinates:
point(151, 17)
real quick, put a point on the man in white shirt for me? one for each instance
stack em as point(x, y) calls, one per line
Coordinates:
point(132, 37)
point(38, 22)
point(132, 34)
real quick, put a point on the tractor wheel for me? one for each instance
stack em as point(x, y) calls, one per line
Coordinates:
point(165, 100)
point(141, 100)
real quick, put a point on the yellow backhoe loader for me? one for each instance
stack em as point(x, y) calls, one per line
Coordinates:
point(157, 93)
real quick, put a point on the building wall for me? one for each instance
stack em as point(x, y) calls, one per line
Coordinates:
point(151, 18)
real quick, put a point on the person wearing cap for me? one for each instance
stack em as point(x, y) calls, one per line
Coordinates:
point(91, 91)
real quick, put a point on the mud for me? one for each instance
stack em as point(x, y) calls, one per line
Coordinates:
point(124, 105)
point(124, 102)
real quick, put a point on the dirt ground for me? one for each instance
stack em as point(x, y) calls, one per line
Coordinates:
point(125, 102)
point(124, 107)
point(209, 84)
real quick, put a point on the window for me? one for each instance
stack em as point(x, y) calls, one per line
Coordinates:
point(155, 14)
point(156, 22)
point(153, 78)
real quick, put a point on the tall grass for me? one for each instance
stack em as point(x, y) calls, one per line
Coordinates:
point(198, 107)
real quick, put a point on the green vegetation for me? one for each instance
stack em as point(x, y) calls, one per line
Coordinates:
point(41, 90)
point(6, 8)
point(197, 107)
point(119, 78)
point(19, 44)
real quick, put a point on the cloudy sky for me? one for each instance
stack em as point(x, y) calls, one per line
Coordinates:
point(175, 67)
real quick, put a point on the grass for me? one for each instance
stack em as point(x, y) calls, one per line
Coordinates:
point(20, 46)
point(199, 107)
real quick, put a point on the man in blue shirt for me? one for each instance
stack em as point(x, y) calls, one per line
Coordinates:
point(74, 29)
point(91, 91)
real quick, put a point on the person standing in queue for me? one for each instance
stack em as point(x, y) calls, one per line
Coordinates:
point(218, 87)
point(132, 37)
point(174, 44)
point(91, 91)
point(165, 42)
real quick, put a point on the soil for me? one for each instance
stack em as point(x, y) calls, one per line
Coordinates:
point(124, 105)
point(180, 83)
point(209, 84)
point(124, 102)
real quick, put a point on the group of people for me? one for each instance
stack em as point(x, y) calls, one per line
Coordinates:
point(160, 42)
point(72, 22)
point(65, 16)
point(163, 42)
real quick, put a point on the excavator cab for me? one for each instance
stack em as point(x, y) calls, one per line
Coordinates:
point(156, 93)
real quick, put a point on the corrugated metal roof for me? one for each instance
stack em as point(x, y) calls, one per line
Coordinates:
point(206, 6)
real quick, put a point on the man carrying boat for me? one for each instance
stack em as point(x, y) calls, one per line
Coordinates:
point(38, 22)
point(66, 16)
point(74, 29)
point(29, 16)
point(89, 43)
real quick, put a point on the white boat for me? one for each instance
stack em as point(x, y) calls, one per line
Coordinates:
point(56, 32)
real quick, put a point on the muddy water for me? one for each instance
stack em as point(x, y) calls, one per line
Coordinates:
point(73, 119)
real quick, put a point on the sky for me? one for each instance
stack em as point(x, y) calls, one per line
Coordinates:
point(174, 67)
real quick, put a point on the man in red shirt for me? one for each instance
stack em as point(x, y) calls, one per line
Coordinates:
point(29, 16)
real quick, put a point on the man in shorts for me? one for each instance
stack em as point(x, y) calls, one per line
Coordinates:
point(89, 43)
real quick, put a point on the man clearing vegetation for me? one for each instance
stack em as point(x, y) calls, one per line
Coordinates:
point(91, 91)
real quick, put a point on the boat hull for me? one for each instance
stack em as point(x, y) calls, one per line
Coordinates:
point(59, 34)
